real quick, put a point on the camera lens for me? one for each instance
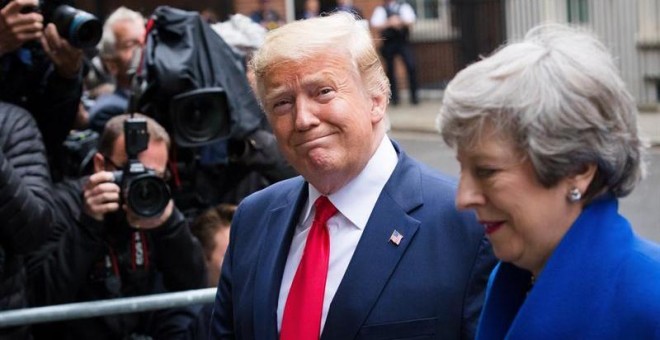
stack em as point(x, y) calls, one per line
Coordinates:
point(199, 123)
point(148, 195)
point(199, 117)
point(79, 28)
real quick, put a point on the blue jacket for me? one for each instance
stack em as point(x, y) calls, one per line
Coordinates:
point(601, 282)
point(430, 286)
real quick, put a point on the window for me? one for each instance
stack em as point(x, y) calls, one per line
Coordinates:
point(578, 11)
point(433, 20)
point(426, 9)
point(648, 33)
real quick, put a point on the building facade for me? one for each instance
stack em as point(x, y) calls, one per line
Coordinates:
point(450, 34)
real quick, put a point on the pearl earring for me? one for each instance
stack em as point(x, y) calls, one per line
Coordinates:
point(574, 195)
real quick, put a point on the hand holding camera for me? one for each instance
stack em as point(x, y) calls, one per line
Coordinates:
point(143, 193)
point(140, 222)
point(66, 58)
point(18, 27)
point(101, 195)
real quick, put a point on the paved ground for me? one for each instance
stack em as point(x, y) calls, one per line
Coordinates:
point(421, 118)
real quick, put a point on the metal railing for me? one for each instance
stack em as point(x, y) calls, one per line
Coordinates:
point(105, 307)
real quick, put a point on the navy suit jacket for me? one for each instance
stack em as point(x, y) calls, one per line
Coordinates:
point(429, 286)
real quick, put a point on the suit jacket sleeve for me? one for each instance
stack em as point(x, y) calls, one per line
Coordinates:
point(222, 318)
point(475, 294)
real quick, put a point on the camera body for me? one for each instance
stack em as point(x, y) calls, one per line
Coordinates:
point(142, 190)
point(81, 29)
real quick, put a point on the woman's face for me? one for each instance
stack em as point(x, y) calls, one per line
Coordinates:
point(523, 219)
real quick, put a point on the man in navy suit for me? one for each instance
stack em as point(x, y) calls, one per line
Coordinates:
point(395, 259)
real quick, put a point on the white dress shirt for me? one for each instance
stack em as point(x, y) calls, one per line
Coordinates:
point(354, 203)
point(406, 13)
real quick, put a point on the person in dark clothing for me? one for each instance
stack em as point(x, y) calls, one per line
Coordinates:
point(266, 16)
point(41, 72)
point(212, 229)
point(110, 252)
point(393, 20)
point(347, 6)
point(311, 9)
point(24, 205)
point(123, 37)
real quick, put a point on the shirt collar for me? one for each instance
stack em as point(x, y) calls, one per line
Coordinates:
point(367, 186)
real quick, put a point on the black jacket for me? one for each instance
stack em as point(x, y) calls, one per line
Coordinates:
point(90, 260)
point(25, 211)
point(28, 79)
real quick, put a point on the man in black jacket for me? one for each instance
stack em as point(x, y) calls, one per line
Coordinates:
point(111, 252)
point(25, 211)
point(41, 72)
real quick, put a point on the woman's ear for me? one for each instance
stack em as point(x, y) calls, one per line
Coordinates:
point(583, 178)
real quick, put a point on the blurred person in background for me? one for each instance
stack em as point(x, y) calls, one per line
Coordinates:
point(41, 72)
point(393, 20)
point(119, 50)
point(212, 229)
point(347, 6)
point(546, 135)
point(102, 250)
point(311, 9)
point(267, 16)
point(25, 206)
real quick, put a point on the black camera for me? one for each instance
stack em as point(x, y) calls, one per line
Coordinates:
point(144, 192)
point(200, 117)
point(81, 29)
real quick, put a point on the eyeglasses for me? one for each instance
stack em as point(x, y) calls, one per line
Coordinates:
point(109, 160)
point(165, 175)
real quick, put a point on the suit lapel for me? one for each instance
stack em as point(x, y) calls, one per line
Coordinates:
point(281, 223)
point(376, 257)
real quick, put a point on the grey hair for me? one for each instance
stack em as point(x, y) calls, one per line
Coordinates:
point(301, 40)
point(559, 96)
point(107, 44)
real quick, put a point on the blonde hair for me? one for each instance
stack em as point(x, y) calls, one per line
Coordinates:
point(304, 39)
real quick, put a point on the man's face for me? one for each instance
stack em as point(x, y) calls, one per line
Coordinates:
point(154, 157)
point(324, 119)
point(129, 38)
point(214, 264)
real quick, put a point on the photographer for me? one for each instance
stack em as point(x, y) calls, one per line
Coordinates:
point(39, 71)
point(122, 39)
point(24, 205)
point(111, 251)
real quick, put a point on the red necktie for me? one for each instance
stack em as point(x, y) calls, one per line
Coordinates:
point(304, 305)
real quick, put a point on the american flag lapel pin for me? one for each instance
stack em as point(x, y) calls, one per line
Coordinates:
point(396, 237)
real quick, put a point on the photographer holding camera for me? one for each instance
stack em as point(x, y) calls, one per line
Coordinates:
point(130, 239)
point(41, 60)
